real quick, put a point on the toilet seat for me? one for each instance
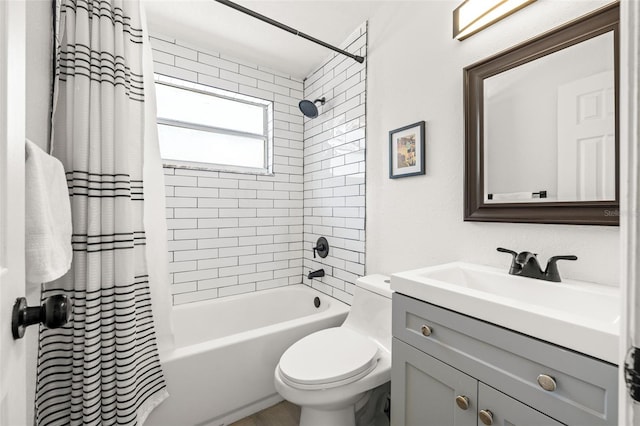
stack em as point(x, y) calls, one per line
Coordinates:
point(328, 358)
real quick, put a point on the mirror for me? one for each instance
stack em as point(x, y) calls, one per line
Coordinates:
point(541, 139)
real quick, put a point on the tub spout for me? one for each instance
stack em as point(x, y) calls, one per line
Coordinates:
point(316, 274)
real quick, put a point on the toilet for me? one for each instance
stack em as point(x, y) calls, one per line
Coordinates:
point(339, 376)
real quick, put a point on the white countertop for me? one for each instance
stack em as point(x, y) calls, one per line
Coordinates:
point(578, 315)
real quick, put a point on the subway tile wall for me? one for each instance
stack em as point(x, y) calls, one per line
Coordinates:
point(334, 170)
point(232, 233)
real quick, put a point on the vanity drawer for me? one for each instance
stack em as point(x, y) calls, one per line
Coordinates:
point(586, 388)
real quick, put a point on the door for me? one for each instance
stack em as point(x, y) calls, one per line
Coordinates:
point(498, 409)
point(629, 411)
point(586, 139)
point(428, 392)
point(12, 135)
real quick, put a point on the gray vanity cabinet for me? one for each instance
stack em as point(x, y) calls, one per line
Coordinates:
point(507, 411)
point(450, 369)
point(427, 392)
point(428, 389)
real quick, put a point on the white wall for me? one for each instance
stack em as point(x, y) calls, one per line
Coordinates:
point(415, 73)
point(334, 170)
point(232, 233)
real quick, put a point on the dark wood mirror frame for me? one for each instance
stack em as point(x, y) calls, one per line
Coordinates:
point(601, 21)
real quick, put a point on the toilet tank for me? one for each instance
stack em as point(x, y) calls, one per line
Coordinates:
point(370, 312)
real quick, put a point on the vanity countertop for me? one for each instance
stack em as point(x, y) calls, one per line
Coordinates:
point(578, 315)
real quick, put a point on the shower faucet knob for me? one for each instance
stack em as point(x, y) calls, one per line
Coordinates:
point(322, 248)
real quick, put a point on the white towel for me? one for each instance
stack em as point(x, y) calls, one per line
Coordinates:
point(47, 217)
point(513, 196)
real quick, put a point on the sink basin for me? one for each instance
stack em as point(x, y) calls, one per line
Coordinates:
point(578, 315)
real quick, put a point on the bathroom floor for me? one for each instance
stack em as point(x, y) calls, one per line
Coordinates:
point(281, 414)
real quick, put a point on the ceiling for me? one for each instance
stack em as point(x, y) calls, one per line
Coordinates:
point(213, 26)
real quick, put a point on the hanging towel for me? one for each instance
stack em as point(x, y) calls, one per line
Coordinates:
point(47, 217)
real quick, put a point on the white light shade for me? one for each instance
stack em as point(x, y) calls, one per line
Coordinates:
point(474, 15)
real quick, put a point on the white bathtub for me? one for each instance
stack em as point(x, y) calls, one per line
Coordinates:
point(227, 349)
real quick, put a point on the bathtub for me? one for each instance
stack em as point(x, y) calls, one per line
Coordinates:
point(226, 351)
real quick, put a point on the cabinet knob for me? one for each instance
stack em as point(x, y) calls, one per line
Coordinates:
point(426, 330)
point(547, 382)
point(462, 401)
point(486, 417)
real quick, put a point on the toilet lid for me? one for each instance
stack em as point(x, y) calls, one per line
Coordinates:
point(328, 356)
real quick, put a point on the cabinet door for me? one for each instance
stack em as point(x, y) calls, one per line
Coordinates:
point(424, 390)
point(506, 411)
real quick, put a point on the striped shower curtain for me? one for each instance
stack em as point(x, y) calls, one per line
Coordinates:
point(103, 367)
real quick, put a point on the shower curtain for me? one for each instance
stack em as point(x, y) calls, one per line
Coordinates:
point(103, 367)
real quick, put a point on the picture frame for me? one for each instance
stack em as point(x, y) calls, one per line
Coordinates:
point(406, 151)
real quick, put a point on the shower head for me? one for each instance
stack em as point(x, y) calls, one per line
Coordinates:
point(309, 109)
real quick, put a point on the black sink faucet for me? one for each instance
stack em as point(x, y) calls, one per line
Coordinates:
point(525, 264)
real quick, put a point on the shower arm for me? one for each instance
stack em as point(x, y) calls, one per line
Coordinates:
point(287, 28)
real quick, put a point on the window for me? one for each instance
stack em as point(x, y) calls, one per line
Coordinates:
point(204, 127)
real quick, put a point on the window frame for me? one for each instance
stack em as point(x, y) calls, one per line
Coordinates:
point(266, 136)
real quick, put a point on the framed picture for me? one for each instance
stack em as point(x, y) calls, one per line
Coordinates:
point(406, 151)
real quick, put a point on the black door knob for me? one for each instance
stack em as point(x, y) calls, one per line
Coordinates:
point(54, 313)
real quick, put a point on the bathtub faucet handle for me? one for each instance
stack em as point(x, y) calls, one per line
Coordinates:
point(322, 248)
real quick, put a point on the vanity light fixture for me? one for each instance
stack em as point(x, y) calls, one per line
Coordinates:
point(475, 15)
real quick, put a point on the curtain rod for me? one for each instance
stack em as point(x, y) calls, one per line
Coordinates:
point(282, 26)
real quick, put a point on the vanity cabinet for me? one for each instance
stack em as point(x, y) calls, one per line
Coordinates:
point(451, 369)
point(435, 393)
point(428, 389)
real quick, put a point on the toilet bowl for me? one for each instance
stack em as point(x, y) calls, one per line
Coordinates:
point(332, 373)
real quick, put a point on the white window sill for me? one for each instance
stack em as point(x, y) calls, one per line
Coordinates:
point(216, 167)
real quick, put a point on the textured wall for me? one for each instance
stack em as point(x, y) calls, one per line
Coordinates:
point(334, 170)
point(233, 233)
